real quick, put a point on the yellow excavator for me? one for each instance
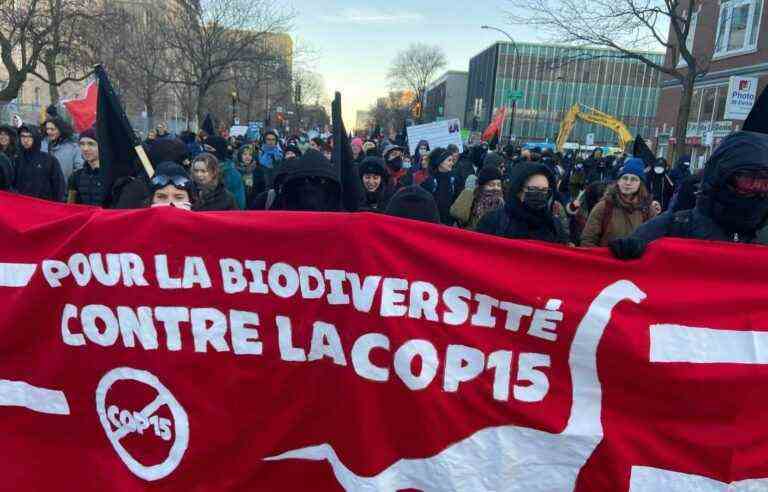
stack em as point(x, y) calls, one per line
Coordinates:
point(592, 115)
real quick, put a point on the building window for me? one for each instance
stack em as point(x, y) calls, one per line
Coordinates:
point(738, 26)
point(689, 40)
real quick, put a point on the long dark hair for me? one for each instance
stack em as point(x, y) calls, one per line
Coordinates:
point(211, 163)
point(65, 129)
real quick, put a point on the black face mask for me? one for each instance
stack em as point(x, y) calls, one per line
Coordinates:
point(739, 213)
point(310, 196)
point(535, 201)
point(395, 164)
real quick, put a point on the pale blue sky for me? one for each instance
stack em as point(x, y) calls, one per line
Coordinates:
point(357, 40)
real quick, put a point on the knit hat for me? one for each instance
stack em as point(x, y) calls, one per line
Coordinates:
point(373, 165)
point(294, 149)
point(89, 133)
point(492, 159)
point(414, 202)
point(437, 157)
point(634, 166)
point(488, 174)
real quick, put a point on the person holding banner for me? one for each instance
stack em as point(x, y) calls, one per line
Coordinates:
point(527, 213)
point(732, 206)
point(171, 187)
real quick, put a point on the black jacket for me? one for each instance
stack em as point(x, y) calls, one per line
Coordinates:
point(6, 173)
point(38, 174)
point(515, 221)
point(88, 184)
point(445, 188)
point(711, 219)
point(215, 200)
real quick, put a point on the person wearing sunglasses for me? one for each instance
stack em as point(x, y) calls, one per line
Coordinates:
point(732, 205)
point(171, 187)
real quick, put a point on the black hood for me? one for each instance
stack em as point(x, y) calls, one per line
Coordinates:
point(10, 130)
point(522, 172)
point(739, 151)
point(35, 133)
point(311, 164)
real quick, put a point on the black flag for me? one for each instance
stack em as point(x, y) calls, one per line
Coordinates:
point(118, 155)
point(342, 158)
point(207, 126)
point(757, 121)
point(642, 151)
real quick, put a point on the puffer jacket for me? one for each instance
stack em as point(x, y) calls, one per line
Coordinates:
point(86, 187)
point(216, 199)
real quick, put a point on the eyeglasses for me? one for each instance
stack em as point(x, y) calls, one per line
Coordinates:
point(161, 181)
point(750, 183)
point(535, 189)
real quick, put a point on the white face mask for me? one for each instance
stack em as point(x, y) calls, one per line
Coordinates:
point(180, 205)
point(658, 170)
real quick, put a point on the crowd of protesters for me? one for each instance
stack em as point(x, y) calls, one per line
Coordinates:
point(620, 201)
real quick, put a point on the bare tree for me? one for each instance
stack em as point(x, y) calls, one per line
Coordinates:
point(138, 58)
point(391, 112)
point(309, 89)
point(414, 68)
point(628, 27)
point(31, 31)
point(210, 37)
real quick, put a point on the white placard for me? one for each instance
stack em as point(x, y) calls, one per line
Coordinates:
point(438, 134)
point(238, 131)
point(742, 94)
point(590, 140)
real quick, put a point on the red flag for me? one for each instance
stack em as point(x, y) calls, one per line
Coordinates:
point(495, 125)
point(83, 110)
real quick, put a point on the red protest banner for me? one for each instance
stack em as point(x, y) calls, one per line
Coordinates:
point(83, 110)
point(168, 350)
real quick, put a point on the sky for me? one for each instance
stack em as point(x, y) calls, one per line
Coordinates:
point(355, 41)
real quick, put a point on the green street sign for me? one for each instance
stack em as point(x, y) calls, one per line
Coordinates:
point(514, 95)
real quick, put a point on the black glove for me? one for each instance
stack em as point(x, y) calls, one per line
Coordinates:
point(628, 248)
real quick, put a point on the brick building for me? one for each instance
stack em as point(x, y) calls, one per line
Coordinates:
point(732, 33)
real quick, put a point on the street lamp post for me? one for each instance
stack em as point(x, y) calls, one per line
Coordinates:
point(517, 60)
point(234, 106)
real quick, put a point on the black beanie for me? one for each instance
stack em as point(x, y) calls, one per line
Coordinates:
point(438, 156)
point(414, 202)
point(487, 174)
point(373, 165)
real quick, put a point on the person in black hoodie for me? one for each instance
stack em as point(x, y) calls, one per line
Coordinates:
point(443, 183)
point(732, 205)
point(38, 174)
point(374, 176)
point(212, 195)
point(86, 185)
point(527, 213)
point(309, 183)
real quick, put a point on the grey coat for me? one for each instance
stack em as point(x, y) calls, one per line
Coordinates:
point(67, 153)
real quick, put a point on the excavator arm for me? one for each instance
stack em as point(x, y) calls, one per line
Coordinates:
point(592, 115)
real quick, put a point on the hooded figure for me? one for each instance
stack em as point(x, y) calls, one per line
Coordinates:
point(375, 184)
point(398, 175)
point(60, 143)
point(233, 180)
point(309, 183)
point(271, 154)
point(682, 170)
point(474, 203)
point(415, 203)
point(38, 174)
point(660, 185)
point(527, 213)
point(733, 201)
